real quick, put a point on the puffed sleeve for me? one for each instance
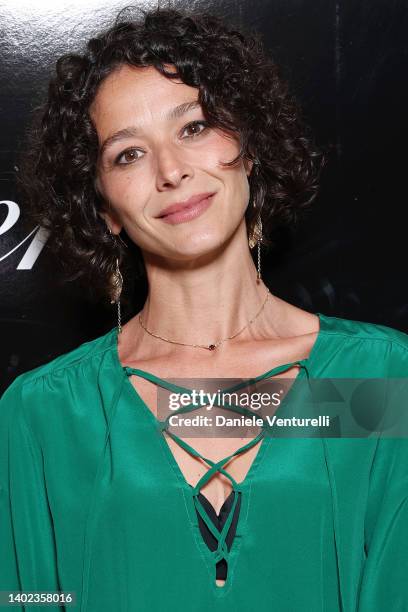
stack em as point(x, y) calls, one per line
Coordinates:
point(384, 583)
point(27, 544)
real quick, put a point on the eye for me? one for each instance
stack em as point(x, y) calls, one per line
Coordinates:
point(131, 153)
point(196, 128)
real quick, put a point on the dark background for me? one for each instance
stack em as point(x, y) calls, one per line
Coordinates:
point(347, 64)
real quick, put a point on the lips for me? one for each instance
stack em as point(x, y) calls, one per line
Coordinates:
point(184, 205)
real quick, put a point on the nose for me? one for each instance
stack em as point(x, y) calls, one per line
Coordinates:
point(172, 168)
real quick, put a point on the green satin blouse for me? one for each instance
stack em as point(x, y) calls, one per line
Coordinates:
point(92, 500)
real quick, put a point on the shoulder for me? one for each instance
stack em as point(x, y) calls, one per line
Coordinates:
point(302, 322)
point(59, 389)
point(372, 341)
point(364, 330)
point(87, 352)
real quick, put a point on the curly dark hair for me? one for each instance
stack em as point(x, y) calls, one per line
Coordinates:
point(240, 91)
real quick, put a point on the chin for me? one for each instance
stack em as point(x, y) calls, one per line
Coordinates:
point(198, 245)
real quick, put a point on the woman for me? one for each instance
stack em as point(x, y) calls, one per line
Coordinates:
point(178, 133)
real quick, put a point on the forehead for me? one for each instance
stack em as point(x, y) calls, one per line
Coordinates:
point(136, 94)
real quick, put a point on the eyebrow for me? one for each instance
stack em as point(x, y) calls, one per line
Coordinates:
point(132, 131)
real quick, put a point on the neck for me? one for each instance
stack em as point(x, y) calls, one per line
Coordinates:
point(206, 300)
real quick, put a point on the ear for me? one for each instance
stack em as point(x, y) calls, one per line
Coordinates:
point(248, 164)
point(111, 220)
point(107, 213)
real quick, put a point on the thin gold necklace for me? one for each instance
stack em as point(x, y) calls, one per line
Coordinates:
point(209, 347)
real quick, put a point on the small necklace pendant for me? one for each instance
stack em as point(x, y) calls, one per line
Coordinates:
point(212, 347)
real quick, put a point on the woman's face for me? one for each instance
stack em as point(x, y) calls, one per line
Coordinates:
point(155, 153)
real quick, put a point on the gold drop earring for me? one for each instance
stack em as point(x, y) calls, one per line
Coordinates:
point(255, 237)
point(117, 286)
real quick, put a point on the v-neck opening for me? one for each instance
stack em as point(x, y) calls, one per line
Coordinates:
point(263, 443)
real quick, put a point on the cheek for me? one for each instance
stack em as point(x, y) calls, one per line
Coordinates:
point(225, 150)
point(218, 148)
point(234, 179)
point(124, 190)
point(236, 184)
